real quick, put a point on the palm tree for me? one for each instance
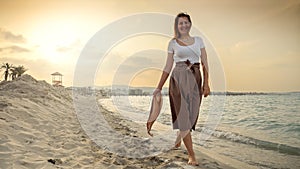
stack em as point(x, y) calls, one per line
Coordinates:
point(13, 73)
point(20, 70)
point(17, 71)
point(7, 67)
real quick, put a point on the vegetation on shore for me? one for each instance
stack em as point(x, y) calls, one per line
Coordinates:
point(11, 71)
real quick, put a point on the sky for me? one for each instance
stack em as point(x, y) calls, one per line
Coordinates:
point(253, 44)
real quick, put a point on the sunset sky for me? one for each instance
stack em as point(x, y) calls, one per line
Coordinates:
point(256, 41)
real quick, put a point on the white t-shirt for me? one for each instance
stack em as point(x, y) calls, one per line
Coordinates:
point(191, 52)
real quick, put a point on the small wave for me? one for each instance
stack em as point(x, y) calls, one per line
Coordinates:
point(235, 137)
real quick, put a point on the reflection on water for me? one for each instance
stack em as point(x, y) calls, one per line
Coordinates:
point(261, 130)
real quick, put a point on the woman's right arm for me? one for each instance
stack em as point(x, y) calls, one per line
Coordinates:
point(165, 73)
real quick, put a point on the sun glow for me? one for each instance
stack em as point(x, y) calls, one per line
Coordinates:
point(57, 44)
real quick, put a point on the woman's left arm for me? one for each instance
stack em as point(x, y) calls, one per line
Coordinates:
point(204, 62)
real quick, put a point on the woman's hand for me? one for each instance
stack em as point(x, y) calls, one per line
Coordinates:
point(156, 91)
point(205, 90)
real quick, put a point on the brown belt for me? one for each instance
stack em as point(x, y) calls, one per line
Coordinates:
point(192, 66)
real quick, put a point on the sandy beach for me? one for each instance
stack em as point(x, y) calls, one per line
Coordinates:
point(40, 129)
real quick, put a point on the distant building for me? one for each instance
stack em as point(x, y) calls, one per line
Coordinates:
point(135, 92)
point(56, 79)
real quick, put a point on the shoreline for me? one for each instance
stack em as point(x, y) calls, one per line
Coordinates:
point(205, 157)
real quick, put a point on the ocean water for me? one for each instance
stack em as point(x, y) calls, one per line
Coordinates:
point(260, 130)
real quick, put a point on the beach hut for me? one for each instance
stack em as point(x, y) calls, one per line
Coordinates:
point(56, 79)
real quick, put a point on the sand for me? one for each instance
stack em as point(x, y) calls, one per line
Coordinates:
point(40, 129)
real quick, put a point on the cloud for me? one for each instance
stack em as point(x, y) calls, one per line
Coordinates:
point(63, 49)
point(70, 47)
point(244, 46)
point(13, 49)
point(7, 36)
point(139, 62)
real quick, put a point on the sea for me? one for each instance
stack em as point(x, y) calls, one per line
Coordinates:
point(260, 129)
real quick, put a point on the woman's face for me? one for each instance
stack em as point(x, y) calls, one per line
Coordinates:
point(184, 25)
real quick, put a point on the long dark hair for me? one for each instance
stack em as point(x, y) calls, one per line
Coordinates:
point(176, 31)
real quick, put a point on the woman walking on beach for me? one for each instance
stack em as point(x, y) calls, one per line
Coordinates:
point(185, 87)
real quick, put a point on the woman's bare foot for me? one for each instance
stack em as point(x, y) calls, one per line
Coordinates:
point(178, 145)
point(177, 141)
point(192, 160)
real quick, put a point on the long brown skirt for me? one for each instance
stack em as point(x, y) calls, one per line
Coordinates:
point(185, 95)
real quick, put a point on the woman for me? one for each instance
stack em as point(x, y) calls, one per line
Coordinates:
point(185, 88)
